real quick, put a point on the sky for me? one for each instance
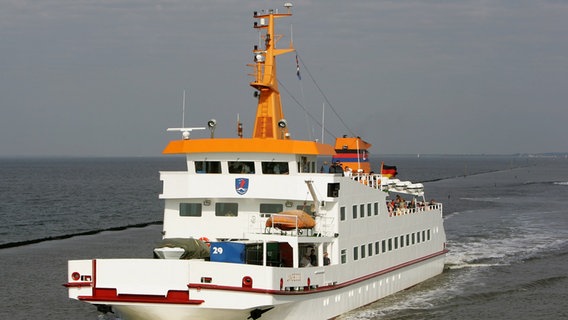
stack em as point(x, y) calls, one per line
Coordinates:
point(106, 77)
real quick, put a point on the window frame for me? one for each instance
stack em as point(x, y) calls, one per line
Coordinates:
point(267, 213)
point(188, 204)
point(223, 212)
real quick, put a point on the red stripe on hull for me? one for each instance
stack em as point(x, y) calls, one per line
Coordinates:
point(110, 295)
point(307, 290)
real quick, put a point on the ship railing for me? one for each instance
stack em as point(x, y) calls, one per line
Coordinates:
point(374, 181)
point(256, 224)
point(377, 181)
point(418, 209)
point(370, 180)
point(325, 225)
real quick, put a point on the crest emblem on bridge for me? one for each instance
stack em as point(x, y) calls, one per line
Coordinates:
point(241, 185)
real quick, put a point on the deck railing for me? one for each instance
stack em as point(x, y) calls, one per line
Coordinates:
point(418, 209)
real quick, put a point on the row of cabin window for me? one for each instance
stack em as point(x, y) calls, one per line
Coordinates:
point(387, 245)
point(248, 167)
point(372, 209)
point(231, 209)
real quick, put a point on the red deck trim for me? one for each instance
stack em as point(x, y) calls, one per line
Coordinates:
point(200, 286)
point(110, 295)
point(77, 284)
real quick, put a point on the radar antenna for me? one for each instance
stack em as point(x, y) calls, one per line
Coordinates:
point(185, 132)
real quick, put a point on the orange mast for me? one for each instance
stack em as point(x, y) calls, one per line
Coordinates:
point(269, 122)
point(270, 134)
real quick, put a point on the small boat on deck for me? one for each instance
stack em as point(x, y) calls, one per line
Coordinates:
point(291, 220)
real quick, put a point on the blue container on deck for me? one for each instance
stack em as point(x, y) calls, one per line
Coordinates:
point(227, 252)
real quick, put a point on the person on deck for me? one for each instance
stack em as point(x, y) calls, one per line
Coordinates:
point(336, 168)
point(313, 258)
point(324, 167)
point(305, 261)
point(326, 260)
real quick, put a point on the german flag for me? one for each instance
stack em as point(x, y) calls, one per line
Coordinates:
point(388, 171)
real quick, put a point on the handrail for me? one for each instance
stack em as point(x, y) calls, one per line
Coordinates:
point(419, 209)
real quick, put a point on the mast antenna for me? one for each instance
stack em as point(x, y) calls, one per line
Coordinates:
point(322, 121)
point(291, 37)
point(183, 111)
point(185, 132)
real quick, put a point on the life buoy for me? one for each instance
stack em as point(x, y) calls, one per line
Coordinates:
point(206, 240)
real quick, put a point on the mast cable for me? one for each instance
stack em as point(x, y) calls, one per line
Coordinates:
point(310, 137)
point(305, 110)
point(324, 96)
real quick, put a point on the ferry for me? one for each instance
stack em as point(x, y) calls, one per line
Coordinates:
point(261, 228)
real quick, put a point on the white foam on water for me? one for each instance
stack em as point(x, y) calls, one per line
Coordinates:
point(468, 258)
point(452, 215)
point(487, 252)
point(108, 316)
point(417, 298)
point(473, 265)
point(483, 199)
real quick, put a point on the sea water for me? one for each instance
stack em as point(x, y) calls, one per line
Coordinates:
point(506, 222)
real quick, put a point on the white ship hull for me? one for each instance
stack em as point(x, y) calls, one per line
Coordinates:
point(236, 303)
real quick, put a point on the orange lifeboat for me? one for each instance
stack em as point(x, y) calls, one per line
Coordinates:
point(290, 220)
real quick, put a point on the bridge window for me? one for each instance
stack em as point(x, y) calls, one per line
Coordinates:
point(306, 166)
point(208, 166)
point(241, 167)
point(309, 209)
point(275, 168)
point(267, 208)
point(226, 209)
point(190, 209)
